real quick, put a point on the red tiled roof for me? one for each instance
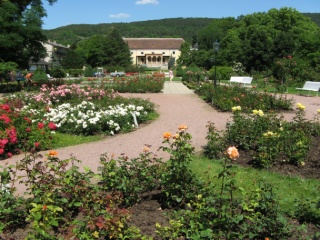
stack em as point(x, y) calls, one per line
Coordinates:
point(154, 43)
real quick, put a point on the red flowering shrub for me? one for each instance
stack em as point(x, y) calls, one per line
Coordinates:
point(18, 133)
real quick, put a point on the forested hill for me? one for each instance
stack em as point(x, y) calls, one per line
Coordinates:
point(314, 17)
point(186, 28)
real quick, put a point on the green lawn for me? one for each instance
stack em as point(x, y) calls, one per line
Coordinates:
point(286, 188)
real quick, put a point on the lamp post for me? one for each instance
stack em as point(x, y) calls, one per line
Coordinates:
point(216, 46)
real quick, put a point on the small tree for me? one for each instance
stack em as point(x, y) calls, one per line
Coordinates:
point(88, 72)
point(171, 62)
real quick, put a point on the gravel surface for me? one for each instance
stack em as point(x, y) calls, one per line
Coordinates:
point(174, 109)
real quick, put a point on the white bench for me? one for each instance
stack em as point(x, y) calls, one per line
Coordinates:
point(311, 86)
point(241, 80)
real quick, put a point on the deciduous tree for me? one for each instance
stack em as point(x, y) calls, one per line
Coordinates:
point(20, 31)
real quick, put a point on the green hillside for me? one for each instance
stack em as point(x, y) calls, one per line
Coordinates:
point(187, 28)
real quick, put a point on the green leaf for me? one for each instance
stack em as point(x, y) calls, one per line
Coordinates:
point(36, 215)
point(54, 223)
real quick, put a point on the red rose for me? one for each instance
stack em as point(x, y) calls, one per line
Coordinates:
point(40, 125)
point(36, 144)
point(52, 126)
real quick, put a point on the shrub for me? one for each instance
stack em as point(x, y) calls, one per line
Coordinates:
point(136, 84)
point(268, 137)
point(40, 76)
point(57, 72)
point(75, 72)
point(225, 97)
point(223, 72)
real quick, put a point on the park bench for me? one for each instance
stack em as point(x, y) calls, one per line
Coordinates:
point(240, 80)
point(310, 86)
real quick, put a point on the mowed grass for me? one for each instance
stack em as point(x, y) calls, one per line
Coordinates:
point(287, 189)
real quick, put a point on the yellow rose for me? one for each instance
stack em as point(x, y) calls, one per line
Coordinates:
point(300, 106)
point(260, 113)
point(176, 136)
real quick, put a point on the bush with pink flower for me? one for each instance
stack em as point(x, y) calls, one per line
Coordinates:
point(18, 133)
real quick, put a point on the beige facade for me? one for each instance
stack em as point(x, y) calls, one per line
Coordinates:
point(55, 52)
point(154, 52)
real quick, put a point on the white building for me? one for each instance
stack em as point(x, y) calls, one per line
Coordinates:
point(154, 52)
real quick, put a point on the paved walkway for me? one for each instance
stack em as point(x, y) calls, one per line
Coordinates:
point(176, 88)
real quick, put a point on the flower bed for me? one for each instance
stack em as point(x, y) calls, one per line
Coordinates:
point(29, 120)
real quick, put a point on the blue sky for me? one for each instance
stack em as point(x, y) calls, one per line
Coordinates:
point(66, 12)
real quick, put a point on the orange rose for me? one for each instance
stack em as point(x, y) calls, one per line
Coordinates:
point(233, 153)
point(53, 153)
point(167, 135)
point(182, 127)
point(145, 149)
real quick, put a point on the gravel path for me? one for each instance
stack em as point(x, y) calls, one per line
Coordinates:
point(174, 109)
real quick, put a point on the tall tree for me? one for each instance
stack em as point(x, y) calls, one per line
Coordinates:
point(20, 31)
point(117, 50)
point(105, 50)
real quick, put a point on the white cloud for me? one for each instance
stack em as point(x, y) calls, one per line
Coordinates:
point(142, 2)
point(120, 15)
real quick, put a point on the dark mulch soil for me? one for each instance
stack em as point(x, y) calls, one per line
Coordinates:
point(311, 169)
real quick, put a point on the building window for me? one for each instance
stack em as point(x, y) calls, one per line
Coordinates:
point(174, 52)
point(141, 52)
point(163, 52)
point(152, 52)
point(131, 53)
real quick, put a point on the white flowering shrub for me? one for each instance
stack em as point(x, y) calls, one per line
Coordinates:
point(87, 119)
point(84, 111)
